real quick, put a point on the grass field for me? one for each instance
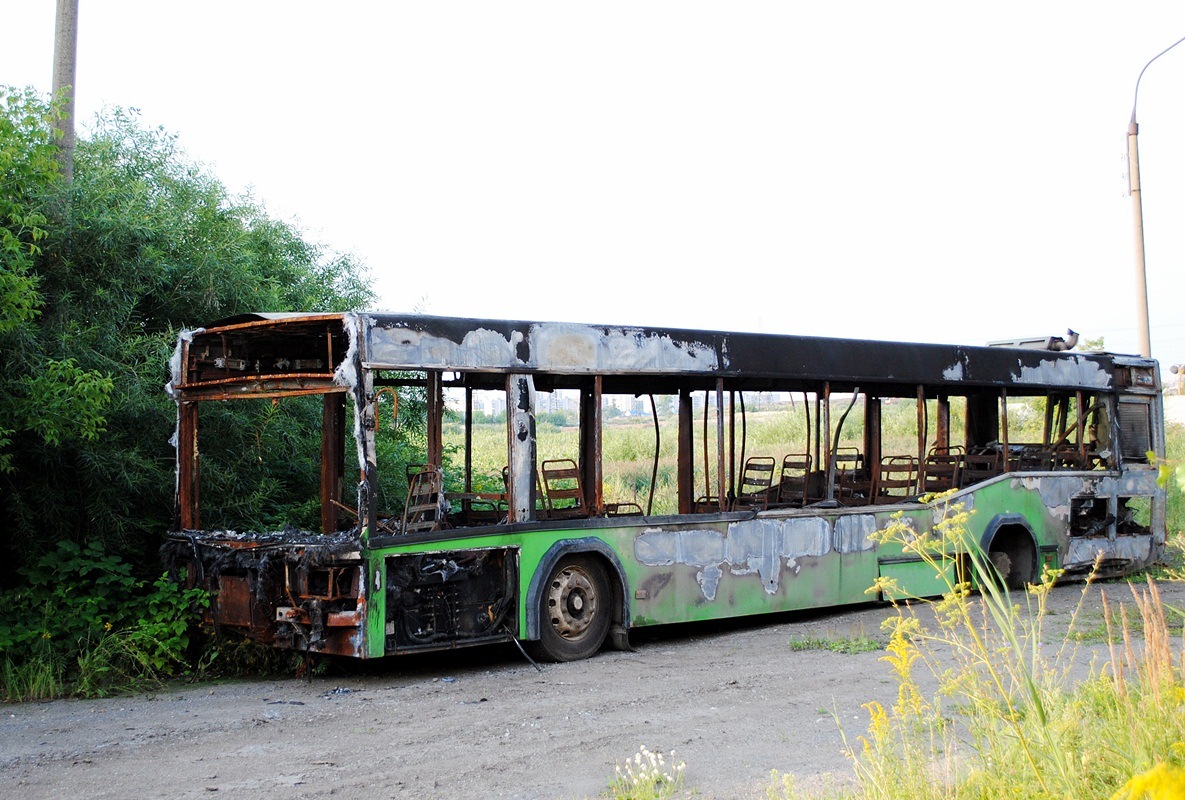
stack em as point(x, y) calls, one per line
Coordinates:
point(772, 429)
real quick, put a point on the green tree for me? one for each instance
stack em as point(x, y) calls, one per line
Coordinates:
point(28, 171)
point(89, 312)
point(60, 402)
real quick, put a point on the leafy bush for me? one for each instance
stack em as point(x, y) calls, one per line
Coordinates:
point(83, 624)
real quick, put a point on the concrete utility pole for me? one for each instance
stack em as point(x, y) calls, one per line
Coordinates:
point(1143, 330)
point(1133, 177)
point(65, 50)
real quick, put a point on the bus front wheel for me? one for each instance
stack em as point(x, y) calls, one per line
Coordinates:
point(574, 610)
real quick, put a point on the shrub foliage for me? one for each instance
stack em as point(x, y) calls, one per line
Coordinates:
point(96, 279)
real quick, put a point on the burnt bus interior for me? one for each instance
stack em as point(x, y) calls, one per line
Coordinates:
point(365, 471)
point(838, 457)
point(963, 435)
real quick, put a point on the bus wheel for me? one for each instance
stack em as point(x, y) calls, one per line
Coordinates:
point(575, 610)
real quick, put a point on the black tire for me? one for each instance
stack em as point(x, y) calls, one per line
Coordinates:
point(574, 610)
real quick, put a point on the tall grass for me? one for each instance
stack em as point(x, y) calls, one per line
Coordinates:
point(1008, 717)
point(1175, 455)
point(775, 429)
point(629, 447)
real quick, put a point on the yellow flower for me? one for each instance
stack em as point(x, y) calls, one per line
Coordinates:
point(1162, 782)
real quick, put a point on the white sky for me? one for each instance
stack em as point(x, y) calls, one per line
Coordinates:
point(931, 171)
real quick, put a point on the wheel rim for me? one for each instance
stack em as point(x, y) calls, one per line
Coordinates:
point(572, 602)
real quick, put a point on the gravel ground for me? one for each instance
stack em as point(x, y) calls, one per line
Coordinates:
point(733, 701)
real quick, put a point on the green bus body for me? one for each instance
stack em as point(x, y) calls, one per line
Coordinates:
point(380, 586)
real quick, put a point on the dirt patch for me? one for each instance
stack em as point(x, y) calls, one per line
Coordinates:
point(734, 702)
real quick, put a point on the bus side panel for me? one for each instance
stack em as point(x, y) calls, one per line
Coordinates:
point(1075, 519)
point(681, 571)
point(904, 572)
point(687, 572)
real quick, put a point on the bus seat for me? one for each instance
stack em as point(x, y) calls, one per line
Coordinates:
point(562, 489)
point(424, 510)
point(1031, 458)
point(979, 466)
point(757, 478)
point(852, 484)
point(706, 504)
point(898, 479)
point(941, 469)
point(541, 506)
point(483, 511)
point(792, 483)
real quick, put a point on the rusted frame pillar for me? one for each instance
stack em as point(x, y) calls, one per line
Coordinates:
point(817, 442)
point(468, 439)
point(1004, 430)
point(732, 445)
point(1063, 417)
point(435, 398)
point(591, 468)
point(942, 424)
point(923, 422)
point(333, 423)
point(520, 446)
point(685, 480)
point(873, 447)
point(1081, 429)
point(828, 456)
point(720, 476)
point(1047, 429)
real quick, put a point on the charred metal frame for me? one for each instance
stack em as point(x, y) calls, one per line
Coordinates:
point(311, 590)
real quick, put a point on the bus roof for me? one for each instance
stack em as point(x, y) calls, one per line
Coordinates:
point(653, 359)
point(417, 341)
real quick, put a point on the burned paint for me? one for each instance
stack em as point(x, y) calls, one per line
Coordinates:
point(955, 372)
point(521, 420)
point(761, 547)
point(853, 533)
point(346, 374)
point(1055, 493)
point(548, 346)
point(405, 347)
point(1122, 551)
point(1072, 370)
point(696, 547)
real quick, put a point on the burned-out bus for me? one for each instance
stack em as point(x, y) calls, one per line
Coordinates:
point(400, 552)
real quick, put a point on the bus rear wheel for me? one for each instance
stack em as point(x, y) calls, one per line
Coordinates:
point(574, 610)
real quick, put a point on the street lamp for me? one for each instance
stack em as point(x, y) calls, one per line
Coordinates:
point(1133, 176)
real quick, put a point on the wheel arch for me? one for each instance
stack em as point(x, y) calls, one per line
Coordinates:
point(586, 546)
point(1012, 534)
